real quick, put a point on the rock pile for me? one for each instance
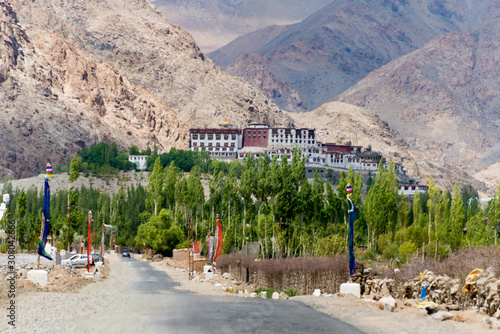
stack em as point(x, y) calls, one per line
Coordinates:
point(443, 290)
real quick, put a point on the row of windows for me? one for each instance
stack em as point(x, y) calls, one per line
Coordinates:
point(217, 137)
point(291, 141)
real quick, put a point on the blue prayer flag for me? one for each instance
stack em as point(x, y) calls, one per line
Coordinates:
point(352, 216)
point(46, 227)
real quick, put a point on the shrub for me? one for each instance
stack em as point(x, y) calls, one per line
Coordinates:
point(333, 244)
point(292, 292)
point(457, 265)
point(369, 255)
point(406, 250)
point(384, 240)
point(391, 252)
point(269, 291)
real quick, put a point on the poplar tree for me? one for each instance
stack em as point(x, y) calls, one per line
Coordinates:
point(74, 174)
point(154, 191)
point(432, 205)
point(247, 186)
point(457, 217)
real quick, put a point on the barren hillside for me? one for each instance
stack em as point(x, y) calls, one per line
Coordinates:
point(80, 72)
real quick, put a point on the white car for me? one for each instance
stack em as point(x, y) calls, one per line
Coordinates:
point(78, 260)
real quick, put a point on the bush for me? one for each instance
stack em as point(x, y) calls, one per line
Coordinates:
point(369, 255)
point(406, 250)
point(443, 250)
point(292, 292)
point(391, 252)
point(384, 240)
point(331, 245)
point(457, 265)
point(269, 291)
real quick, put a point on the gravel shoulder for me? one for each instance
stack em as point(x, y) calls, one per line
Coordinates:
point(110, 304)
point(361, 313)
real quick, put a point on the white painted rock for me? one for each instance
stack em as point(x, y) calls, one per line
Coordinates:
point(351, 288)
point(39, 277)
point(263, 294)
point(276, 295)
point(226, 275)
point(253, 294)
point(495, 323)
point(317, 292)
point(387, 303)
point(441, 315)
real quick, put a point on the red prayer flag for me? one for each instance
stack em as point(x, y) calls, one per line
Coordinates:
point(219, 237)
point(89, 242)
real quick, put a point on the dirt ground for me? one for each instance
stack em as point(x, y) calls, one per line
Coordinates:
point(75, 292)
point(362, 313)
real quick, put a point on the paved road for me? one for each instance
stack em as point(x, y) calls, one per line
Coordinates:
point(137, 298)
point(182, 312)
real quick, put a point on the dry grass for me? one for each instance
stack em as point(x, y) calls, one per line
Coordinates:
point(457, 265)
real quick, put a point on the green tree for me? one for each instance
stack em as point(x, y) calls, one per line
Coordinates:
point(74, 174)
point(154, 191)
point(457, 218)
point(247, 186)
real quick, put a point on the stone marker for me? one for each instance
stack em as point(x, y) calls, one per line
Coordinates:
point(253, 294)
point(226, 275)
point(317, 292)
point(442, 315)
point(263, 294)
point(387, 303)
point(351, 288)
point(276, 295)
point(39, 277)
point(495, 323)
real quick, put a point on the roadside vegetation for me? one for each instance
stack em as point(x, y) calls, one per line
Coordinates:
point(262, 201)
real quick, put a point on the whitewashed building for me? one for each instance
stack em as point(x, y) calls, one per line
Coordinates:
point(139, 160)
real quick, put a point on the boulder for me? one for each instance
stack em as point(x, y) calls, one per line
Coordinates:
point(349, 288)
point(442, 315)
point(38, 277)
point(387, 303)
point(495, 323)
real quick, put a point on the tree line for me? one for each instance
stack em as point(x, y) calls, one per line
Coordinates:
point(267, 202)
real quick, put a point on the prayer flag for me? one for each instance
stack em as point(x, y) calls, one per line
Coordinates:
point(352, 216)
point(46, 223)
point(219, 238)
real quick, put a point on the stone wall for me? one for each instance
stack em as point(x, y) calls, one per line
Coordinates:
point(443, 290)
point(484, 294)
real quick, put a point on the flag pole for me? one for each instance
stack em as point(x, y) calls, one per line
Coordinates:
point(41, 238)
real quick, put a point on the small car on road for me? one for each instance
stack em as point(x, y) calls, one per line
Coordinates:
point(126, 253)
point(77, 260)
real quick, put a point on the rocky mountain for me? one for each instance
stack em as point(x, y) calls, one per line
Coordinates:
point(343, 123)
point(311, 62)
point(74, 73)
point(443, 98)
point(214, 23)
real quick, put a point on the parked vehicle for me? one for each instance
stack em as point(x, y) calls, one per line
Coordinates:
point(97, 257)
point(77, 260)
point(126, 253)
